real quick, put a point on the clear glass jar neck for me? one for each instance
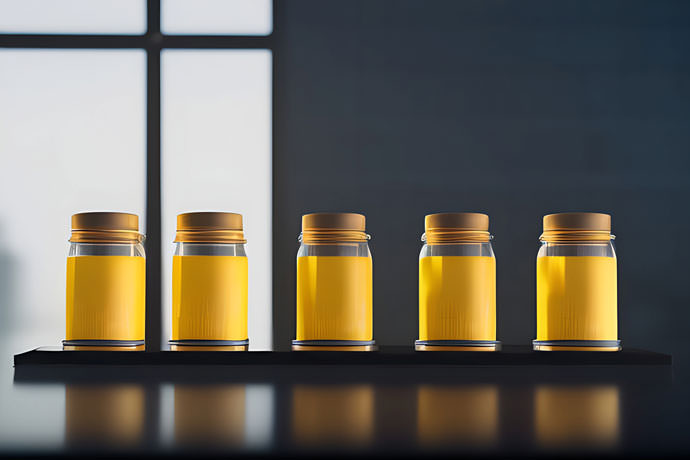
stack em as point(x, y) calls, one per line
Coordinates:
point(211, 249)
point(344, 249)
point(483, 249)
point(577, 249)
point(106, 249)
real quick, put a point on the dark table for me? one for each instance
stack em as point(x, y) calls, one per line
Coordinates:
point(393, 401)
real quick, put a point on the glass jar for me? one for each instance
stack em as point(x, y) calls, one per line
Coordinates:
point(210, 283)
point(106, 283)
point(576, 284)
point(457, 284)
point(334, 284)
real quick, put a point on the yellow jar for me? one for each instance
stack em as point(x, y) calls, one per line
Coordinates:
point(210, 283)
point(334, 284)
point(576, 284)
point(457, 284)
point(106, 283)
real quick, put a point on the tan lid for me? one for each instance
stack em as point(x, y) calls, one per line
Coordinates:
point(577, 226)
point(210, 227)
point(457, 220)
point(577, 221)
point(104, 227)
point(330, 227)
point(456, 227)
point(333, 221)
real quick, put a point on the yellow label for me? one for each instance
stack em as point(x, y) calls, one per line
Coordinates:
point(457, 298)
point(106, 298)
point(576, 298)
point(210, 298)
point(334, 298)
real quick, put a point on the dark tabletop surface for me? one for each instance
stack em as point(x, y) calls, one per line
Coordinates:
point(534, 408)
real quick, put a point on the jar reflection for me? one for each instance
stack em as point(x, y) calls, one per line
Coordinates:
point(112, 415)
point(340, 415)
point(210, 414)
point(583, 417)
point(465, 415)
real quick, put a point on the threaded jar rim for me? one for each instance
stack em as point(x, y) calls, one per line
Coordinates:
point(456, 228)
point(210, 227)
point(576, 226)
point(333, 227)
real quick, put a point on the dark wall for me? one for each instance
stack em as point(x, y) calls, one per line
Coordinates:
point(398, 109)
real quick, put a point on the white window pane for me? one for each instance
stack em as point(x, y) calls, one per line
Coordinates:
point(217, 157)
point(72, 138)
point(213, 17)
point(73, 16)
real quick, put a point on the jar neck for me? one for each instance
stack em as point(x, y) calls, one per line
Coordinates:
point(210, 249)
point(106, 249)
point(459, 249)
point(577, 249)
point(342, 249)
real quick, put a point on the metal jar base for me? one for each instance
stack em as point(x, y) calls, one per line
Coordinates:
point(103, 345)
point(576, 345)
point(209, 345)
point(333, 345)
point(457, 345)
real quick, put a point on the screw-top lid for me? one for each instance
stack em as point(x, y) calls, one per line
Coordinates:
point(577, 226)
point(105, 227)
point(210, 227)
point(334, 221)
point(456, 227)
point(330, 227)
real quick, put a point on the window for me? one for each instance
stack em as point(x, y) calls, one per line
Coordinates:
point(216, 156)
point(101, 110)
point(73, 16)
point(216, 17)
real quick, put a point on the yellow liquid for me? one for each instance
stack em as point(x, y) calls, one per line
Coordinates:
point(106, 298)
point(457, 298)
point(210, 298)
point(334, 298)
point(576, 298)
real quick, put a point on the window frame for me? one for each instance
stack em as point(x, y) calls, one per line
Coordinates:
point(153, 42)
